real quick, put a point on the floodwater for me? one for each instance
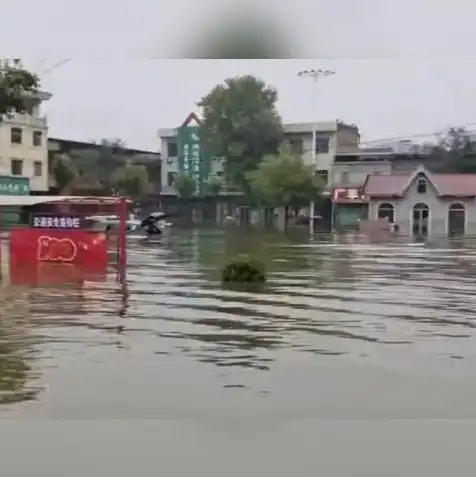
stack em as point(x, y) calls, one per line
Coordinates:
point(342, 330)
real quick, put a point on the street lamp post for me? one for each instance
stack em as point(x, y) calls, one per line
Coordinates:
point(314, 75)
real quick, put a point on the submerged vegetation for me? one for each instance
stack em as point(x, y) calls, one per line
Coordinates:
point(243, 271)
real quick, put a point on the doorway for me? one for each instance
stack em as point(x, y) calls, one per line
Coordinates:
point(456, 220)
point(421, 220)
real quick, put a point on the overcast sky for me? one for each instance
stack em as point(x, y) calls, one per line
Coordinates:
point(418, 74)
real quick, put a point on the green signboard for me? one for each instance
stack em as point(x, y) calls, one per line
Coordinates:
point(11, 185)
point(192, 160)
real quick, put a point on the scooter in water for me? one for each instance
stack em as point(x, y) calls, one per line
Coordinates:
point(154, 225)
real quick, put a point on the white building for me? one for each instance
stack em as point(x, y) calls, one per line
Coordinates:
point(333, 137)
point(24, 144)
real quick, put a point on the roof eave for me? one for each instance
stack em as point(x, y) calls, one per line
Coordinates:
point(384, 196)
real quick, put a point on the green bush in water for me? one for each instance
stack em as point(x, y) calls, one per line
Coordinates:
point(243, 271)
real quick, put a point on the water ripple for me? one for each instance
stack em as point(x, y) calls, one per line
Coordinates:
point(333, 299)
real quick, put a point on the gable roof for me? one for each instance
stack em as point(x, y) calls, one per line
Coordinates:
point(396, 184)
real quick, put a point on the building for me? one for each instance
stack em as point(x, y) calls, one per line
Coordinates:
point(423, 203)
point(151, 159)
point(332, 137)
point(24, 146)
point(64, 146)
point(350, 172)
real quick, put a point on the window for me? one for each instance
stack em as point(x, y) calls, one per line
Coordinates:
point(322, 145)
point(172, 149)
point(323, 174)
point(421, 185)
point(344, 178)
point(296, 146)
point(37, 168)
point(386, 211)
point(171, 178)
point(37, 138)
point(16, 135)
point(16, 167)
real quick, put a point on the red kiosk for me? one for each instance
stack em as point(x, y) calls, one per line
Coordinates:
point(59, 245)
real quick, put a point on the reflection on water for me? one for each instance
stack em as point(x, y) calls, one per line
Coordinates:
point(404, 307)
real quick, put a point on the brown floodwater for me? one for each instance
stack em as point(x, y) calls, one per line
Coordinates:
point(399, 318)
point(342, 330)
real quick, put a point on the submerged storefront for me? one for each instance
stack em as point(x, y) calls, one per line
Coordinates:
point(350, 206)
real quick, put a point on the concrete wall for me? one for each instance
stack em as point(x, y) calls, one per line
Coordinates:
point(355, 173)
point(347, 139)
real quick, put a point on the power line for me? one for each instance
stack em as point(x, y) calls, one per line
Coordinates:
point(469, 127)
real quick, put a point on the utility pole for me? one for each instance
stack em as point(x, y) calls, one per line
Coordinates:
point(314, 75)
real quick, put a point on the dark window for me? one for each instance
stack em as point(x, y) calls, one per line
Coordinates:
point(37, 138)
point(37, 168)
point(344, 178)
point(16, 135)
point(323, 175)
point(386, 211)
point(296, 146)
point(421, 186)
point(171, 178)
point(17, 167)
point(322, 145)
point(456, 219)
point(172, 149)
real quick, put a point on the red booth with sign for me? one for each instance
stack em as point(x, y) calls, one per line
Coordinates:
point(59, 248)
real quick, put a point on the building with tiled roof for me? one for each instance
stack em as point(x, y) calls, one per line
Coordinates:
point(423, 203)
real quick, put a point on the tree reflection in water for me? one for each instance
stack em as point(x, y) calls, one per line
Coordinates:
point(17, 355)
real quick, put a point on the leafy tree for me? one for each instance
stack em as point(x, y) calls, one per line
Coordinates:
point(284, 180)
point(185, 185)
point(154, 168)
point(131, 181)
point(456, 151)
point(16, 84)
point(241, 125)
point(214, 185)
point(63, 171)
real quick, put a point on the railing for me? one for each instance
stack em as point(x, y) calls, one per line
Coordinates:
point(27, 120)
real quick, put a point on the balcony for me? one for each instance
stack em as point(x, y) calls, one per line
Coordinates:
point(27, 120)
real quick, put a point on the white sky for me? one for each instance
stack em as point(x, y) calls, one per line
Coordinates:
point(402, 68)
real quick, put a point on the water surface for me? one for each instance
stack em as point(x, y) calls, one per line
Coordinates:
point(342, 329)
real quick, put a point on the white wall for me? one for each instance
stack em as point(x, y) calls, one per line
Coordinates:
point(25, 151)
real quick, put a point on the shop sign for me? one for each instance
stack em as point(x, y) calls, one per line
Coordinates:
point(348, 195)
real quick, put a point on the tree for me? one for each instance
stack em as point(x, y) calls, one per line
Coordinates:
point(456, 151)
point(284, 180)
point(241, 125)
point(185, 185)
point(63, 171)
point(131, 181)
point(214, 185)
point(89, 168)
point(16, 85)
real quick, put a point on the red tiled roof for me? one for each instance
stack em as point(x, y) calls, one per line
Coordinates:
point(386, 186)
point(455, 185)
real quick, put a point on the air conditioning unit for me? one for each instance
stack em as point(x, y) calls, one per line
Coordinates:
point(170, 160)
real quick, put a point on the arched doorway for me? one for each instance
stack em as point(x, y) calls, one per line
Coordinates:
point(456, 219)
point(420, 220)
point(386, 211)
